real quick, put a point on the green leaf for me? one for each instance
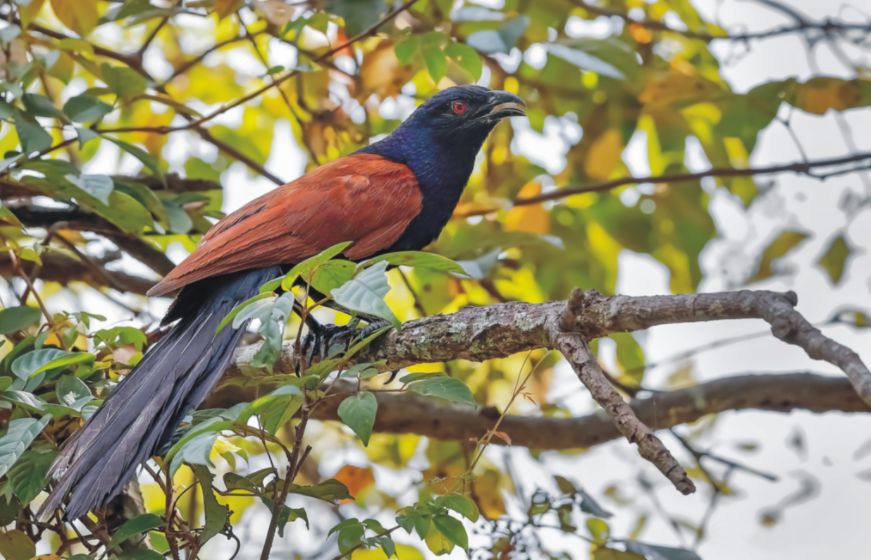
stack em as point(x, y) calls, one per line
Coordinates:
point(44, 359)
point(466, 58)
point(604, 553)
point(73, 392)
point(350, 534)
point(443, 387)
point(418, 259)
point(835, 259)
point(136, 526)
point(19, 436)
point(586, 61)
point(656, 552)
point(274, 409)
point(504, 39)
point(230, 317)
point(329, 490)
point(40, 105)
point(217, 514)
point(16, 545)
point(120, 336)
point(149, 162)
point(365, 293)
point(460, 504)
point(436, 62)
point(452, 529)
point(358, 413)
point(86, 109)
point(273, 319)
point(782, 244)
point(125, 82)
point(31, 135)
point(29, 475)
point(14, 319)
point(306, 267)
point(179, 220)
point(98, 186)
point(591, 506)
point(200, 439)
point(331, 275)
point(358, 14)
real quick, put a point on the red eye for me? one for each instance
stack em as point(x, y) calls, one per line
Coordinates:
point(459, 108)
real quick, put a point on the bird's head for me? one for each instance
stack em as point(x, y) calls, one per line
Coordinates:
point(441, 138)
point(464, 113)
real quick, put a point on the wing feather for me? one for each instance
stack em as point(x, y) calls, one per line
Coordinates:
point(362, 198)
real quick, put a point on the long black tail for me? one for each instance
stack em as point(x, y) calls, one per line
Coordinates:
point(143, 411)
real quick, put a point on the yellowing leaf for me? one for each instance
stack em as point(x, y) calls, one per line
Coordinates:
point(532, 218)
point(835, 259)
point(488, 494)
point(79, 15)
point(674, 88)
point(382, 73)
point(604, 154)
point(224, 8)
point(403, 552)
point(784, 243)
point(29, 12)
point(821, 94)
point(356, 479)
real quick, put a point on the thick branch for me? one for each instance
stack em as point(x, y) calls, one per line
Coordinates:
point(59, 267)
point(172, 182)
point(496, 331)
point(403, 413)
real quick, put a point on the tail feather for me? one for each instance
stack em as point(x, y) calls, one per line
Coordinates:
point(173, 377)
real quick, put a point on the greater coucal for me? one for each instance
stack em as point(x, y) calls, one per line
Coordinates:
point(396, 194)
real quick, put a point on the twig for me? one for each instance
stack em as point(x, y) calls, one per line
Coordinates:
point(801, 167)
point(577, 353)
point(827, 26)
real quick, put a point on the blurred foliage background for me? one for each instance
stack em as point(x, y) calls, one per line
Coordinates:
point(122, 121)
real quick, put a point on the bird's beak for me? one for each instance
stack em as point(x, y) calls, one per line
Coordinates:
point(503, 104)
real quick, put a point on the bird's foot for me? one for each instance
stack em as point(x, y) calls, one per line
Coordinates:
point(325, 341)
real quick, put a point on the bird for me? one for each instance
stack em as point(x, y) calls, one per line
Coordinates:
point(395, 194)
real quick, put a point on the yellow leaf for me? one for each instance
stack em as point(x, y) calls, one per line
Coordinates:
point(675, 87)
point(532, 218)
point(835, 259)
point(403, 552)
point(604, 155)
point(29, 12)
point(80, 15)
point(488, 494)
point(821, 94)
point(784, 243)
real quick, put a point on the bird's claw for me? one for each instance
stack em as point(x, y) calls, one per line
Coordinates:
point(326, 341)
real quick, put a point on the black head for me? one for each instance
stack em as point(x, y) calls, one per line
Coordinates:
point(465, 112)
point(439, 143)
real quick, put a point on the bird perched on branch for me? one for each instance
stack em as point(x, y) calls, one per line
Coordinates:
point(396, 194)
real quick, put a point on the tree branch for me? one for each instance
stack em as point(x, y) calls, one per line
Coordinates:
point(859, 162)
point(59, 267)
point(827, 26)
point(407, 413)
point(575, 349)
point(494, 331)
